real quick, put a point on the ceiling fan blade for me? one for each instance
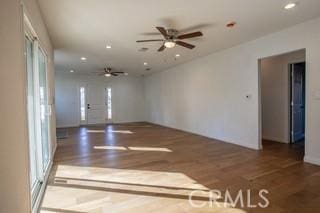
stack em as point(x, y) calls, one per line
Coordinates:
point(118, 72)
point(184, 44)
point(150, 40)
point(190, 35)
point(161, 48)
point(196, 27)
point(163, 31)
point(152, 33)
point(114, 74)
point(100, 74)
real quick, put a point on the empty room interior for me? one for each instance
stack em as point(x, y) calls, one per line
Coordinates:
point(160, 106)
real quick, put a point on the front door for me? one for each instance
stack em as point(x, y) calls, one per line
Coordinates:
point(96, 104)
point(297, 73)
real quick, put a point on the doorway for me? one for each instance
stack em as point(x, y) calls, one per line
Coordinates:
point(95, 104)
point(282, 84)
point(297, 101)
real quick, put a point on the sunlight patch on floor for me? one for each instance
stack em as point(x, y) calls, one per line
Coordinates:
point(109, 131)
point(75, 189)
point(152, 149)
point(120, 131)
point(111, 147)
point(145, 177)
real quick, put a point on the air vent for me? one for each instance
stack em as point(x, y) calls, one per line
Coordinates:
point(143, 49)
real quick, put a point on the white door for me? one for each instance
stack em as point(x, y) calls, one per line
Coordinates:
point(96, 104)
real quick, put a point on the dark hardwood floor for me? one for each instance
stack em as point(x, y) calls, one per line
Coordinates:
point(142, 167)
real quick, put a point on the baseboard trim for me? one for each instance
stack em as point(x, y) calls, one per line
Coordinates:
point(99, 124)
point(67, 126)
point(312, 160)
point(246, 145)
point(128, 122)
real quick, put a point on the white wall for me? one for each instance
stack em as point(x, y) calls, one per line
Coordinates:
point(275, 96)
point(127, 97)
point(208, 95)
point(66, 100)
point(14, 163)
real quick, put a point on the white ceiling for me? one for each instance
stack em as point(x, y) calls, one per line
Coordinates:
point(84, 28)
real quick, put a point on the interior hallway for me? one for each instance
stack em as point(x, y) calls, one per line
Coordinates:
point(141, 167)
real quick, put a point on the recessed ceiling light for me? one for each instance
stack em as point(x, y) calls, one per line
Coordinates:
point(145, 63)
point(83, 58)
point(231, 24)
point(71, 70)
point(290, 6)
point(177, 55)
point(108, 47)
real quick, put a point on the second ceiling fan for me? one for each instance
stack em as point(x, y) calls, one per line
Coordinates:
point(172, 38)
point(108, 72)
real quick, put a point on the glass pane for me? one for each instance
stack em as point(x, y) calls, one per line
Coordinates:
point(109, 104)
point(31, 114)
point(83, 103)
point(44, 109)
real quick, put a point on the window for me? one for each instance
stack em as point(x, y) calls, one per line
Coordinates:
point(109, 104)
point(82, 103)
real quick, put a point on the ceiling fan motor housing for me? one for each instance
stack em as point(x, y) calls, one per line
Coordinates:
point(172, 34)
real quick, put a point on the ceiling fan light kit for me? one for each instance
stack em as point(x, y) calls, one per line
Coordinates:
point(169, 44)
point(172, 38)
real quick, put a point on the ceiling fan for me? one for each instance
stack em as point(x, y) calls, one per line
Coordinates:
point(108, 72)
point(172, 38)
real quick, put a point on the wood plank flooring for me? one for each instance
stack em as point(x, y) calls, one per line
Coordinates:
point(142, 167)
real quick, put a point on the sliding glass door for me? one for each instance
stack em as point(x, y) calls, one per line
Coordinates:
point(31, 115)
point(44, 108)
point(38, 113)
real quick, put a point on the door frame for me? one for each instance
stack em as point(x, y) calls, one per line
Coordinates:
point(36, 193)
point(258, 61)
point(105, 88)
